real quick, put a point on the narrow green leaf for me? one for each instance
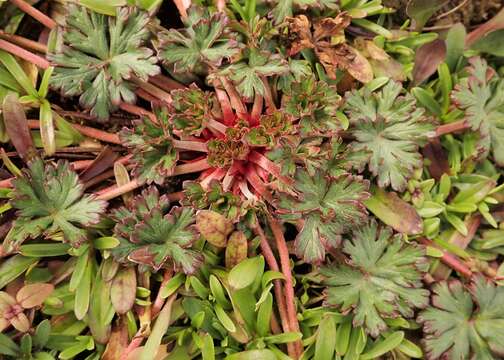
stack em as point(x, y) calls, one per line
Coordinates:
point(14, 266)
point(244, 274)
point(326, 339)
point(172, 285)
point(224, 319)
point(383, 346)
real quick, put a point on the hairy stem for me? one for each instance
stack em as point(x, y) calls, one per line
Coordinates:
point(192, 167)
point(152, 89)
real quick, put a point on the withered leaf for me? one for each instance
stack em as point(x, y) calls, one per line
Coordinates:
point(214, 227)
point(123, 290)
point(236, 249)
point(427, 59)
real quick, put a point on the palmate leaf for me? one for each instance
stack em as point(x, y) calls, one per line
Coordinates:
point(202, 45)
point(482, 99)
point(382, 280)
point(248, 75)
point(50, 199)
point(329, 206)
point(151, 235)
point(315, 104)
point(465, 323)
point(390, 129)
point(154, 156)
point(99, 55)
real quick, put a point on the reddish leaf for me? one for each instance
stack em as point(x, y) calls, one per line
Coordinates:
point(395, 212)
point(427, 59)
point(118, 341)
point(33, 295)
point(236, 249)
point(103, 161)
point(438, 159)
point(17, 127)
point(214, 227)
point(123, 290)
point(495, 23)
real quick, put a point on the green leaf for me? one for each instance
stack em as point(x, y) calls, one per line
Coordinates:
point(44, 250)
point(411, 349)
point(455, 40)
point(390, 129)
point(383, 278)
point(248, 76)
point(47, 128)
point(395, 212)
point(158, 331)
point(490, 43)
point(326, 339)
point(83, 292)
point(329, 206)
point(465, 322)
point(264, 315)
point(482, 100)
point(172, 285)
point(244, 274)
point(203, 45)
point(224, 319)
point(422, 10)
point(13, 267)
point(8, 347)
point(100, 55)
point(150, 235)
point(154, 156)
point(101, 309)
point(17, 72)
point(263, 354)
point(389, 343)
point(50, 199)
point(42, 332)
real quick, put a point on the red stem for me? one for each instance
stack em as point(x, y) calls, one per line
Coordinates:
point(165, 83)
point(268, 97)
point(269, 166)
point(152, 89)
point(217, 174)
point(159, 301)
point(190, 145)
point(452, 127)
point(86, 131)
point(24, 54)
point(279, 294)
point(24, 42)
point(257, 184)
point(256, 110)
point(137, 110)
point(225, 104)
point(216, 125)
point(35, 13)
point(192, 167)
point(236, 101)
point(449, 260)
point(283, 253)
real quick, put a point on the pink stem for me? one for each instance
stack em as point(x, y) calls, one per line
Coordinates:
point(35, 13)
point(450, 260)
point(24, 42)
point(268, 97)
point(166, 83)
point(137, 110)
point(283, 252)
point(114, 191)
point(256, 110)
point(152, 89)
point(452, 127)
point(217, 174)
point(216, 125)
point(269, 166)
point(235, 98)
point(192, 167)
point(24, 54)
point(257, 184)
point(190, 145)
point(86, 131)
point(225, 104)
